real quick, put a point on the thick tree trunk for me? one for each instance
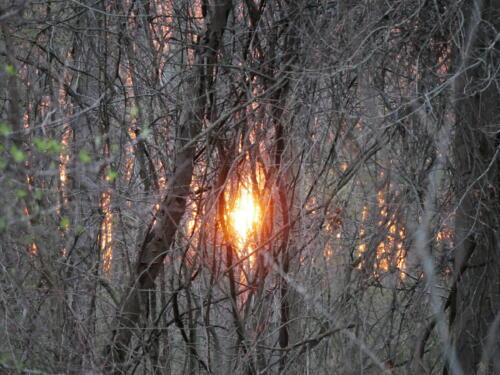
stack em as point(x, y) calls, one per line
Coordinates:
point(162, 233)
point(478, 179)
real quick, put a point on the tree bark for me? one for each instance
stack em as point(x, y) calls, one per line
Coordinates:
point(476, 147)
point(162, 234)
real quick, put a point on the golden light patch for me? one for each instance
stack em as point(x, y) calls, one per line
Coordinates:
point(244, 216)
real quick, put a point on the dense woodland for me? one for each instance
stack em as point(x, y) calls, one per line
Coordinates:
point(249, 187)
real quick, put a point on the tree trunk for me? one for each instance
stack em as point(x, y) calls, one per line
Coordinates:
point(162, 233)
point(477, 238)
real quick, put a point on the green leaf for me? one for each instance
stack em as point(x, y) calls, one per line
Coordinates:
point(17, 154)
point(64, 223)
point(134, 111)
point(80, 229)
point(145, 132)
point(111, 175)
point(3, 164)
point(38, 194)
point(54, 146)
point(11, 71)
point(84, 157)
point(40, 144)
point(21, 193)
point(50, 145)
point(4, 129)
point(3, 223)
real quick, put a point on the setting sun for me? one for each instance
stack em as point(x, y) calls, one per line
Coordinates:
point(244, 215)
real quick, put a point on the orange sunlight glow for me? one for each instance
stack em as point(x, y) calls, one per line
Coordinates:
point(106, 233)
point(106, 230)
point(244, 216)
point(64, 160)
point(390, 253)
point(66, 134)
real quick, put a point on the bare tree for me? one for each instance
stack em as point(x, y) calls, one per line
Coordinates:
point(475, 314)
point(249, 187)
